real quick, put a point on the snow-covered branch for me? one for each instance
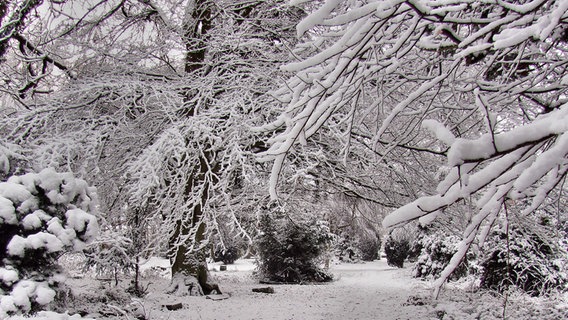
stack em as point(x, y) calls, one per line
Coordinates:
point(485, 78)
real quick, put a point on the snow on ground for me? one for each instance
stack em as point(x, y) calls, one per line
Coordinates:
point(371, 290)
point(362, 291)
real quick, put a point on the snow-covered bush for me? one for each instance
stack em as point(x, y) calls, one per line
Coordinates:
point(363, 247)
point(227, 255)
point(369, 247)
point(42, 215)
point(346, 250)
point(111, 254)
point(289, 250)
point(437, 250)
point(10, 158)
point(416, 247)
point(397, 247)
point(528, 260)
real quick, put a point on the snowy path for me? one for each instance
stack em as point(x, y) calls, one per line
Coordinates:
point(369, 291)
point(362, 291)
point(374, 291)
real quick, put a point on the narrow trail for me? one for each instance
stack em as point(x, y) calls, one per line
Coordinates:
point(362, 291)
point(376, 291)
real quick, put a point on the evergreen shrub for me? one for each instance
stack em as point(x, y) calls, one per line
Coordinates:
point(396, 251)
point(398, 246)
point(530, 262)
point(437, 251)
point(42, 215)
point(369, 248)
point(289, 251)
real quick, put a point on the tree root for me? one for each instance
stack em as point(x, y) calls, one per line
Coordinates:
point(188, 285)
point(184, 285)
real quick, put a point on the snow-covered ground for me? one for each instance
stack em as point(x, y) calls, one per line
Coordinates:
point(371, 290)
point(362, 291)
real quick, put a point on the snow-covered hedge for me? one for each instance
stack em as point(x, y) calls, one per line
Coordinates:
point(397, 247)
point(42, 215)
point(530, 260)
point(437, 251)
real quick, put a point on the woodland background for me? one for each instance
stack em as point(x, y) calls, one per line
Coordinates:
point(211, 129)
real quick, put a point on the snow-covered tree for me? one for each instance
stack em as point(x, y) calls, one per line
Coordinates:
point(290, 248)
point(487, 80)
point(42, 215)
point(159, 122)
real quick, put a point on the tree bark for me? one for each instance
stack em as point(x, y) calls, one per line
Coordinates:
point(189, 267)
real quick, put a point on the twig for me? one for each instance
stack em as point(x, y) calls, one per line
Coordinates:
point(507, 280)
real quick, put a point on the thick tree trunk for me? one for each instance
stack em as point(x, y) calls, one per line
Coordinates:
point(189, 269)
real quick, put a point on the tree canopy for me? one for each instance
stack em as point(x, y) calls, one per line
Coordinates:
point(151, 101)
point(478, 86)
point(447, 110)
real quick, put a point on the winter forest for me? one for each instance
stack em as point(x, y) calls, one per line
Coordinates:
point(283, 159)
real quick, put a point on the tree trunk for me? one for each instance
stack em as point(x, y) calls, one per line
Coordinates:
point(189, 267)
